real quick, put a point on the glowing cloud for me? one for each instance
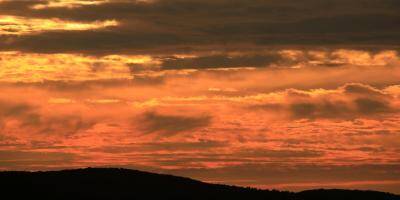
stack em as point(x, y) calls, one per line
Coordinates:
point(67, 3)
point(12, 25)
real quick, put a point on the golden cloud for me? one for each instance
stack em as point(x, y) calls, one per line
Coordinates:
point(13, 25)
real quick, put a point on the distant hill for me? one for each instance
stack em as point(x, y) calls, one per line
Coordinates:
point(121, 184)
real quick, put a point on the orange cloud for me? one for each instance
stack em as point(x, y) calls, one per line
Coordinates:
point(313, 121)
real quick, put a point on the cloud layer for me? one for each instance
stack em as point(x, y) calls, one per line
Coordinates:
point(180, 26)
point(276, 94)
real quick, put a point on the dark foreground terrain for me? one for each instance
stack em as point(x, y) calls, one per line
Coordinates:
point(115, 184)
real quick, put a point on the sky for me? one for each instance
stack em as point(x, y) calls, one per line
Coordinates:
point(277, 94)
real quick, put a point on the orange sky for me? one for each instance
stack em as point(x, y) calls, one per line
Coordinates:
point(262, 99)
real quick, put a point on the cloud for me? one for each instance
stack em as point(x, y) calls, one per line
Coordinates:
point(29, 160)
point(370, 106)
point(25, 112)
point(271, 175)
point(347, 127)
point(8, 109)
point(10, 25)
point(221, 61)
point(27, 117)
point(322, 88)
point(360, 89)
point(347, 102)
point(281, 154)
point(61, 125)
point(175, 26)
point(163, 146)
point(169, 125)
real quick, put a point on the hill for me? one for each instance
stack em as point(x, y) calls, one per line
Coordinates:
point(121, 184)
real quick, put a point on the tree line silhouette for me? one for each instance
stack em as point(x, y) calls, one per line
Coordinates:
point(124, 184)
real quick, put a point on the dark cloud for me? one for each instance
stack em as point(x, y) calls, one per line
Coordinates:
point(360, 89)
point(92, 42)
point(186, 25)
point(16, 110)
point(220, 61)
point(144, 80)
point(282, 154)
point(372, 106)
point(32, 120)
point(169, 125)
point(60, 85)
point(364, 107)
point(320, 110)
point(60, 125)
point(8, 109)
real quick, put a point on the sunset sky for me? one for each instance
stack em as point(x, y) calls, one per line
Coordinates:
point(282, 94)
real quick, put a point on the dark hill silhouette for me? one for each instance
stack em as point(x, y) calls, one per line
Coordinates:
point(118, 184)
